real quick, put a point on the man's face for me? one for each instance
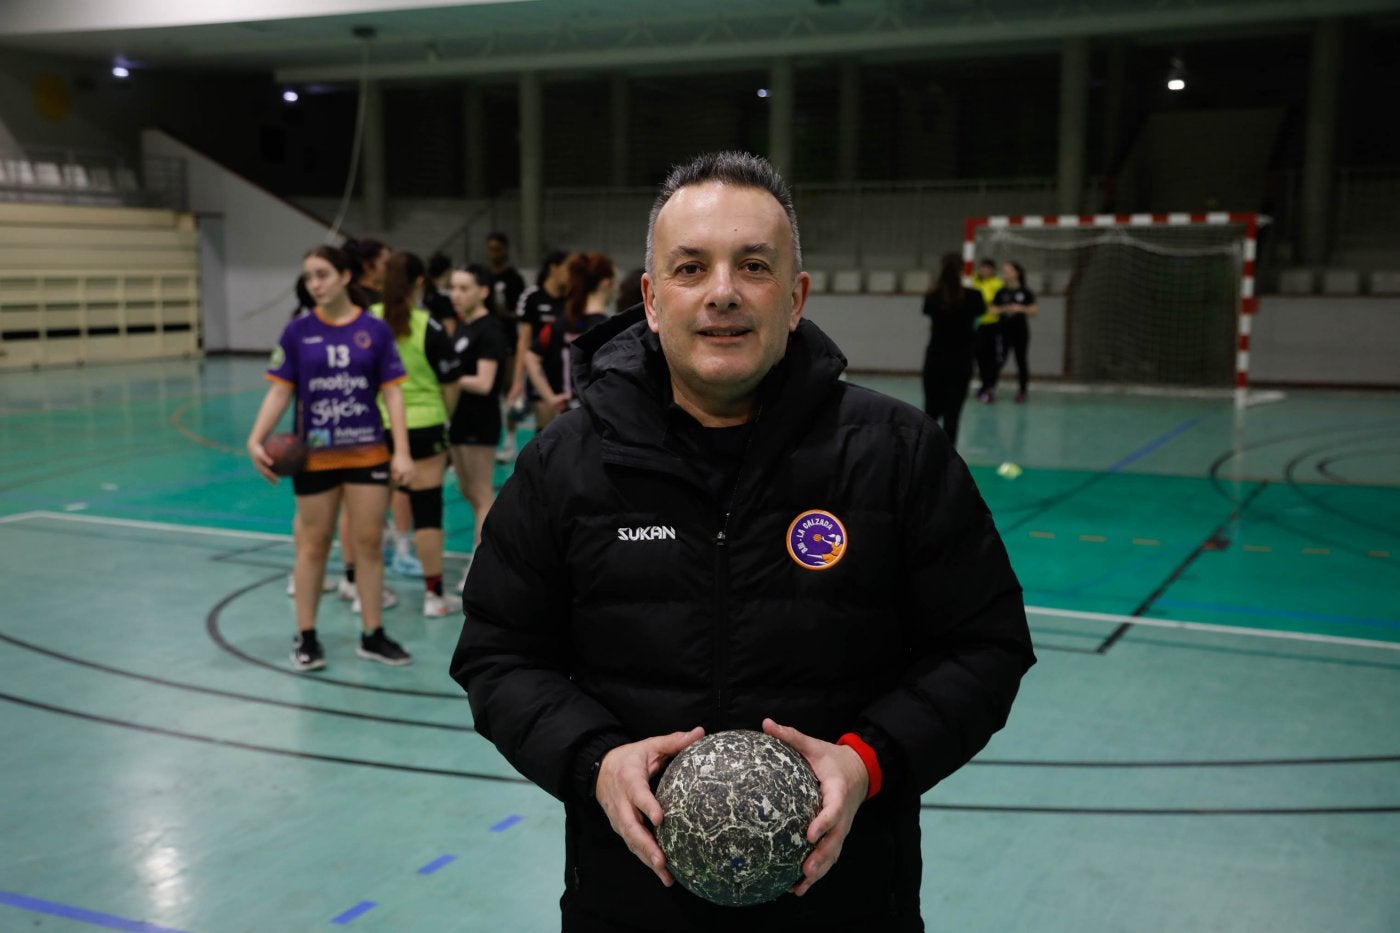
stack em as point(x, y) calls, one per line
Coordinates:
point(723, 294)
point(557, 282)
point(497, 253)
point(986, 271)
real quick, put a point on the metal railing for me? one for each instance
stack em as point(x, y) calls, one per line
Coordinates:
point(84, 176)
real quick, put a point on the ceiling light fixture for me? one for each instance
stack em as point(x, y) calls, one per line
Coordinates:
point(1176, 76)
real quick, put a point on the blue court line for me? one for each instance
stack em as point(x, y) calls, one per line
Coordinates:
point(440, 862)
point(1334, 618)
point(11, 899)
point(1154, 444)
point(507, 823)
point(363, 907)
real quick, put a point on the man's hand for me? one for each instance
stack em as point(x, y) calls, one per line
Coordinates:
point(624, 791)
point(844, 783)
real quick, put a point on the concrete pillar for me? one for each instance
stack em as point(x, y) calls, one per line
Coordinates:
point(782, 91)
point(1319, 141)
point(848, 122)
point(473, 141)
point(1114, 110)
point(620, 99)
point(531, 169)
point(1074, 118)
point(373, 173)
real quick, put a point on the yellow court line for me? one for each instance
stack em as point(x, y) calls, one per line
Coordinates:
point(176, 422)
point(1317, 550)
point(1378, 553)
point(1096, 539)
point(1147, 542)
point(1258, 548)
point(1042, 534)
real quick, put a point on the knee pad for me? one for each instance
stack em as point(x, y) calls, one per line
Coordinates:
point(427, 507)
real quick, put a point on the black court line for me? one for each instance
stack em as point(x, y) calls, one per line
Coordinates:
point(507, 779)
point(1214, 541)
point(97, 461)
point(988, 762)
point(1303, 491)
point(1361, 435)
point(1325, 466)
point(1152, 811)
point(229, 694)
point(1188, 763)
point(211, 625)
point(264, 749)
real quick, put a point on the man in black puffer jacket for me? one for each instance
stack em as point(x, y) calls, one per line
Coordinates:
point(727, 535)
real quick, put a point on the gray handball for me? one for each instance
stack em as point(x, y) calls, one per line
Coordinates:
point(736, 810)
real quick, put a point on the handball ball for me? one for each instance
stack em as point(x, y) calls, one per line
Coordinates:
point(288, 453)
point(1008, 470)
point(737, 806)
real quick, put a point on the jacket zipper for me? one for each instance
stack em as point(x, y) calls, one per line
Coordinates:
point(722, 582)
point(722, 615)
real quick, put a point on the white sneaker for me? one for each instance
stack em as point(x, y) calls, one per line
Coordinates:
point(461, 584)
point(346, 590)
point(390, 600)
point(436, 607)
point(506, 454)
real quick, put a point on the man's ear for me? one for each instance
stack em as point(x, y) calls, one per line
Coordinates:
point(800, 289)
point(649, 303)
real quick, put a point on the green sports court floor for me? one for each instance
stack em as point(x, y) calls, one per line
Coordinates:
point(1211, 739)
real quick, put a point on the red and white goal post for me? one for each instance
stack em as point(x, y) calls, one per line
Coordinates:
point(1154, 299)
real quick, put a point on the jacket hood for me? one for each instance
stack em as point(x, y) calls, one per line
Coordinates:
point(624, 383)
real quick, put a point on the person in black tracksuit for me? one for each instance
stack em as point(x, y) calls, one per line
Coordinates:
point(1015, 305)
point(654, 568)
point(952, 311)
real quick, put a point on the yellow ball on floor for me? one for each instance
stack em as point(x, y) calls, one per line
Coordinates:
point(1008, 470)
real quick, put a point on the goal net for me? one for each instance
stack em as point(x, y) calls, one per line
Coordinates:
point(1147, 299)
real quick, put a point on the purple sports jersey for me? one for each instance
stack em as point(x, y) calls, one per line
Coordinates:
point(337, 371)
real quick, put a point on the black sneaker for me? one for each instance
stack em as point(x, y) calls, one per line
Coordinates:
point(376, 646)
point(306, 652)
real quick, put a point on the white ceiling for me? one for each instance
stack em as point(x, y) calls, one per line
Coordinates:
point(298, 41)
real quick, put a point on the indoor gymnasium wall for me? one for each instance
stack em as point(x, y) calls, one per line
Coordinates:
point(1318, 340)
point(251, 244)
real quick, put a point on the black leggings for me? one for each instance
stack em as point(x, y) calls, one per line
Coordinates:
point(945, 390)
point(988, 355)
point(1015, 338)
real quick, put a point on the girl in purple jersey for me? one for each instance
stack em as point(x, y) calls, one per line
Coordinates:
point(333, 362)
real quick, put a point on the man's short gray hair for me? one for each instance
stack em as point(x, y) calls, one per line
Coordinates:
point(740, 169)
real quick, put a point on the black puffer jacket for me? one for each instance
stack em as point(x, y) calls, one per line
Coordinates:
point(582, 634)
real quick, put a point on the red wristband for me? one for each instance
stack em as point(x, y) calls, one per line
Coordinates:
point(867, 756)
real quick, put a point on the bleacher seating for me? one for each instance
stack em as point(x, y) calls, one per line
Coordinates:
point(1385, 283)
point(96, 284)
point(1296, 282)
point(1341, 282)
point(847, 282)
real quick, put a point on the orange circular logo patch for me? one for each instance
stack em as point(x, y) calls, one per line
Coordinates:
point(816, 540)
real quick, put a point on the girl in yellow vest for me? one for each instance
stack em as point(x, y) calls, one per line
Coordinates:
point(429, 393)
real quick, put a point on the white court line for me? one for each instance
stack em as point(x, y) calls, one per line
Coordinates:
point(1030, 610)
point(1211, 627)
point(163, 526)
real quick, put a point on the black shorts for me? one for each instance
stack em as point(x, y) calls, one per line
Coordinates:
point(477, 421)
point(311, 482)
point(422, 442)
